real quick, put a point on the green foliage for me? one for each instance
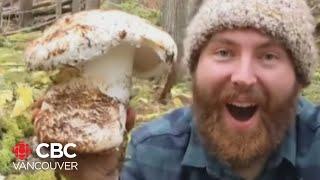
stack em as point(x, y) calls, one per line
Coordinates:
point(39, 175)
point(24, 124)
point(13, 130)
point(18, 89)
point(18, 41)
point(313, 91)
point(10, 58)
point(134, 7)
point(6, 157)
point(11, 135)
point(317, 76)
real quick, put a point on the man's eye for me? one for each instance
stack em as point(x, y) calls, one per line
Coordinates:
point(270, 57)
point(223, 53)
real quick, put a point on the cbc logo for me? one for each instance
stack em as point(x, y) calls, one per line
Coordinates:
point(57, 150)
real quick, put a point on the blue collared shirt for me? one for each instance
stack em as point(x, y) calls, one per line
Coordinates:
point(169, 149)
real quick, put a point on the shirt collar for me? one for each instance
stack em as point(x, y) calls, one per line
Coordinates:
point(197, 156)
point(287, 149)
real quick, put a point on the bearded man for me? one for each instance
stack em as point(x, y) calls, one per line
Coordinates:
point(249, 61)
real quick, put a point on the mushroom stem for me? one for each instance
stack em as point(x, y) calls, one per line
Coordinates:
point(112, 72)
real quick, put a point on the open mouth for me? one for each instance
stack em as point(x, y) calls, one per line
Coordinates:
point(242, 112)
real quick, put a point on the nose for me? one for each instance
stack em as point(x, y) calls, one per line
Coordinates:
point(244, 76)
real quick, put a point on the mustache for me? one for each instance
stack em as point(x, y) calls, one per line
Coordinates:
point(221, 96)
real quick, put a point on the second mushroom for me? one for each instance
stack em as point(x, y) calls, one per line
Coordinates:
point(97, 53)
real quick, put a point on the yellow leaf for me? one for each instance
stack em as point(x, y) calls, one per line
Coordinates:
point(40, 77)
point(129, 137)
point(149, 116)
point(144, 100)
point(24, 100)
point(177, 102)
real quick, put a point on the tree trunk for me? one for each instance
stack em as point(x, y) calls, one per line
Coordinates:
point(76, 6)
point(9, 3)
point(92, 4)
point(176, 16)
point(1, 21)
point(58, 8)
point(193, 6)
point(26, 16)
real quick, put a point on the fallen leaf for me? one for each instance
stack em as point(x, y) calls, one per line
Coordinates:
point(177, 102)
point(24, 100)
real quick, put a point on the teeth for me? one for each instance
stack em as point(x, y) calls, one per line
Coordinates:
point(244, 105)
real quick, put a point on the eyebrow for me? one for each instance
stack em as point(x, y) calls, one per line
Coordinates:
point(265, 44)
point(270, 43)
point(223, 40)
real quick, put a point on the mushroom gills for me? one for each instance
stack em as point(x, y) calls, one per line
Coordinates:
point(112, 72)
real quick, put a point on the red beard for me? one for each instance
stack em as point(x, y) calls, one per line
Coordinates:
point(240, 150)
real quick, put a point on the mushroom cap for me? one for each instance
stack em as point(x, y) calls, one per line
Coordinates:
point(78, 38)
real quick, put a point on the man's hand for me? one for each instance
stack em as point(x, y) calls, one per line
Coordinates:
point(104, 166)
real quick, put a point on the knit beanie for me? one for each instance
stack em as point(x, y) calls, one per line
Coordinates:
point(289, 21)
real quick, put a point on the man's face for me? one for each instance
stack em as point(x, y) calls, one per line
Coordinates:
point(245, 91)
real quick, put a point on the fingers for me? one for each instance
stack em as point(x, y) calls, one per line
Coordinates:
point(93, 166)
point(35, 113)
point(131, 117)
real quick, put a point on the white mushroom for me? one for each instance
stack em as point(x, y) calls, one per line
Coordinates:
point(98, 52)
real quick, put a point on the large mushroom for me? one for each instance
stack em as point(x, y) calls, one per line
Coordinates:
point(97, 53)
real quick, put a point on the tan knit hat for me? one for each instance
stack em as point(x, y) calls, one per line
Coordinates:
point(289, 21)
